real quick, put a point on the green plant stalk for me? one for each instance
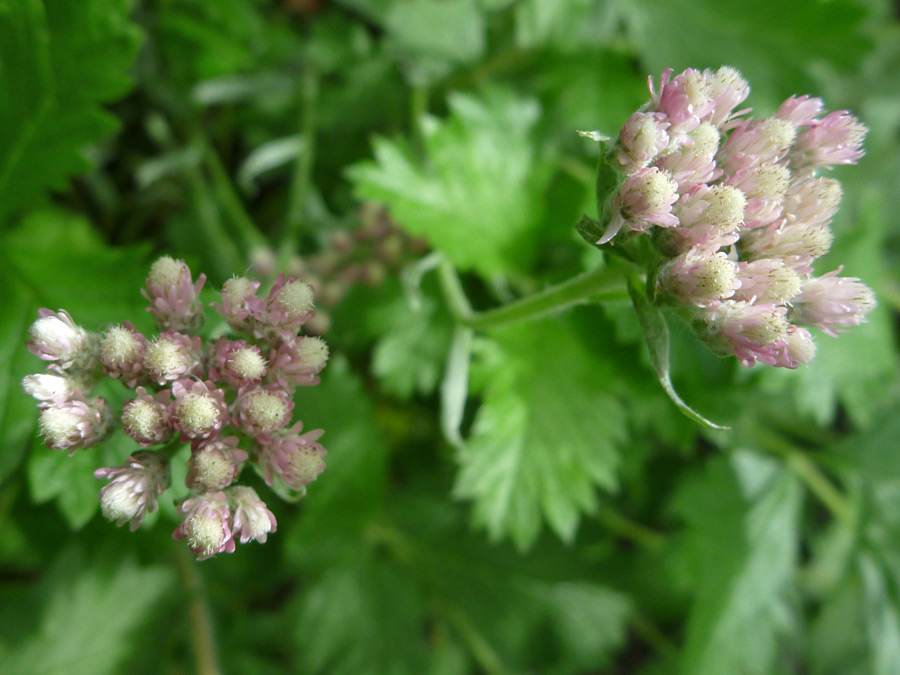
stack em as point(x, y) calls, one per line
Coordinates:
point(602, 283)
point(809, 472)
point(301, 181)
point(198, 611)
point(630, 530)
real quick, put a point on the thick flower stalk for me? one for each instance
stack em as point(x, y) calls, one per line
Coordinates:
point(230, 400)
point(736, 212)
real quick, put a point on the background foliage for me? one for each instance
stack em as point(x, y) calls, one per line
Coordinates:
point(558, 515)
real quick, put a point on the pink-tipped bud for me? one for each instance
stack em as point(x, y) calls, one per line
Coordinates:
point(684, 100)
point(122, 353)
point(836, 139)
point(133, 488)
point(238, 363)
point(813, 201)
point(642, 139)
point(198, 411)
point(288, 306)
point(299, 361)
point(146, 418)
point(262, 410)
point(239, 305)
point(296, 458)
point(252, 520)
point(763, 141)
point(764, 187)
point(173, 295)
point(74, 424)
point(767, 280)
point(799, 348)
point(694, 165)
point(830, 302)
point(752, 332)
point(206, 526)
point(172, 355)
point(49, 389)
point(801, 111)
point(215, 465)
point(645, 199)
point(798, 244)
point(699, 277)
point(56, 337)
point(728, 89)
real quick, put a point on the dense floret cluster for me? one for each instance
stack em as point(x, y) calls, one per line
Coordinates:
point(230, 399)
point(737, 213)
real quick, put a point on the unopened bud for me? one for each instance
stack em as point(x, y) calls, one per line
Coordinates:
point(252, 520)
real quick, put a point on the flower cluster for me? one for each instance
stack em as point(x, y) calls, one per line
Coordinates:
point(366, 255)
point(231, 400)
point(737, 213)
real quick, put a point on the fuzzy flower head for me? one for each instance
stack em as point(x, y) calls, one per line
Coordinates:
point(122, 353)
point(252, 520)
point(296, 458)
point(298, 362)
point(287, 307)
point(238, 363)
point(262, 410)
point(173, 295)
point(146, 418)
point(215, 465)
point(172, 355)
point(56, 337)
point(643, 139)
point(133, 488)
point(645, 198)
point(207, 525)
point(199, 409)
point(699, 278)
point(49, 388)
point(831, 302)
point(239, 303)
point(75, 423)
point(752, 332)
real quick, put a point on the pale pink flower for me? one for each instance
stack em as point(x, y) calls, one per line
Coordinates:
point(727, 89)
point(299, 361)
point(262, 410)
point(699, 277)
point(642, 139)
point(287, 307)
point(801, 111)
point(174, 296)
point(237, 362)
point(694, 165)
point(709, 217)
point(813, 201)
point(836, 139)
point(684, 99)
point(240, 306)
point(216, 464)
point(764, 187)
point(752, 332)
point(798, 244)
point(198, 411)
point(207, 525)
point(763, 141)
point(146, 418)
point(767, 280)
point(799, 348)
point(122, 350)
point(49, 388)
point(296, 458)
point(75, 423)
point(831, 301)
point(644, 199)
point(252, 520)
point(56, 337)
point(133, 488)
point(173, 355)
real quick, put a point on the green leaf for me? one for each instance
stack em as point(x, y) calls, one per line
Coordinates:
point(447, 30)
point(90, 612)
point(567, 26)
point(656, 333)
point(478, 197)
point(743, 535)
point(409, 356)
point(60, 60)
point(772, 44)
point(546, 436)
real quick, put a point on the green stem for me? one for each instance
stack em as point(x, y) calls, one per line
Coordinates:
point(632, 531)
point(230, 201)
point(809, 472)
point(602, 283)
point(481, 650)
point(418, 108)
point(201, 626)
point(301, 182)
point(653, 636)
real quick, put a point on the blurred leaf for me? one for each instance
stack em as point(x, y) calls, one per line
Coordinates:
point(656, 334)
point(451, 30)
point(566, 26)
point(545, 436)
point(89, 617)
point(742, 534)
point(774, 45)
point(59, 61)
point(409, 357)
point(478, 198)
